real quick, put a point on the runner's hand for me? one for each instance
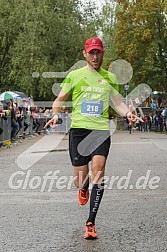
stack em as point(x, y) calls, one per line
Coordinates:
point(133, 118)
point(52, 122)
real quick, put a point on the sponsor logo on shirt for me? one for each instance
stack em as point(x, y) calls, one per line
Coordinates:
point(101, 81)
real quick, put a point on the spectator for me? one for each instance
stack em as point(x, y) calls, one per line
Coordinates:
point(156, 122)
point(165, 117)
point(35, 116)
point(159, 112)
point(159, 102)
point(149, 117)
point(47, 113)
point(160, 120)
point(19, 117)
point(154, 106)
point(145, 123)
point(24, 112)
point(2, 115)
point(141, 124)
point(137, 124)
point(14, 123)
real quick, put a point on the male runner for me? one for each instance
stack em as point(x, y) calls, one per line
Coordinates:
point(91, 88)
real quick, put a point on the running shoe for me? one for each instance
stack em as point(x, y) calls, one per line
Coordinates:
point(83, 196)
point(90, 232)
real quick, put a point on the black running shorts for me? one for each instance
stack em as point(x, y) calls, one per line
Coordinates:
point(85, 143)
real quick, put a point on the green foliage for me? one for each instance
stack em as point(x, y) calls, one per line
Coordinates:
point(108, 32)
point(41, 36)
point(141, 39)
point(48, 36)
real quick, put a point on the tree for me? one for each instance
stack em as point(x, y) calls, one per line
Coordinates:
point(108, 23)
point(9, 30)
point(41, 36)
point(141, 39)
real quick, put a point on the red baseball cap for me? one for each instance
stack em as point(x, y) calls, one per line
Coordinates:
point(93, 43)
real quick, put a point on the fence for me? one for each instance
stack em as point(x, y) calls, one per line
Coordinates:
point(42, 120)
point(5, 125)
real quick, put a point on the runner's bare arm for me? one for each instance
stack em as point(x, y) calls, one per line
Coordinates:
point(57, 104)
point(120, 107)
point(123, 109)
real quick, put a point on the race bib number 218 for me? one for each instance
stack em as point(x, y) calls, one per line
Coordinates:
point(92, 108)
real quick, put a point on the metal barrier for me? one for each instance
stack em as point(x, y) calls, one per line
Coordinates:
point(20, 133)
point(42, 122)
point(1, 126)
point(64, 126)
point(6, 126)
point(29, 121)
point(61, 128)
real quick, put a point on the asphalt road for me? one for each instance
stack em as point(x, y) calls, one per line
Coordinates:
point(39, 213)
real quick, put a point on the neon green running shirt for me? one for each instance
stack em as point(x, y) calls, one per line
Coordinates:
point(90, 92)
